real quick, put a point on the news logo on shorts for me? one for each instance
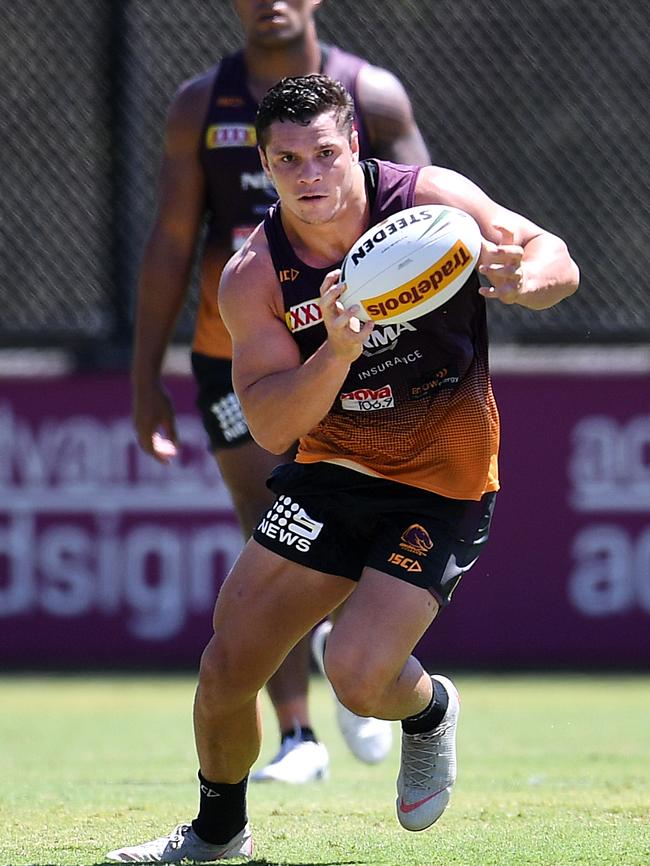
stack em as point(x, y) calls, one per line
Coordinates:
point(230, 417)
point(287, 522)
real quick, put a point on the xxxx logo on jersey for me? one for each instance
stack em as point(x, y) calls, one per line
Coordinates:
point(230, 135)
point(303, 315)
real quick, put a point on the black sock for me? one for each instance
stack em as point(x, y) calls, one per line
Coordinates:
point(305, 733)
point(222, 811)
point(431, 715)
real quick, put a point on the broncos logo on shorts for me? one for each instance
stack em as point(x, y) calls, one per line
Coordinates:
point(416, 539)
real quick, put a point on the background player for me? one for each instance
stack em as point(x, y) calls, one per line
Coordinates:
point(211, 168)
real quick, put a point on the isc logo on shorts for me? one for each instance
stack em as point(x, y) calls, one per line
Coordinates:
point(290, 524)
point(416, 540)
point(230, 135)
point(368, 399)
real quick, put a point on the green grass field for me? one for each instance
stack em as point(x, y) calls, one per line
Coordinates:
point(553, 770)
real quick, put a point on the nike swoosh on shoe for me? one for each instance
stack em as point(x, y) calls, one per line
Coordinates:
point(409, 807)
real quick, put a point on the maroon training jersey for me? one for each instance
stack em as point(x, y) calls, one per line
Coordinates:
point(238, 191)
point(417, 406)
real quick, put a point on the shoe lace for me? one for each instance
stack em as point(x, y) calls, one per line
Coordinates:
point(420, 755)
point(177, 835)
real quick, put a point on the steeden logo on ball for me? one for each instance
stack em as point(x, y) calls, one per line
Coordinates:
point(430, 282)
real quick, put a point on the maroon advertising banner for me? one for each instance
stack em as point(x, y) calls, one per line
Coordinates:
point(110, 559)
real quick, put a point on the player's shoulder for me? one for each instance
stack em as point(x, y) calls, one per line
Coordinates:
point(250, 268)
point(194, 91)
point(190, 102)
point(249, 290)
point(197, 86)
point(439, 185)
point(377, 87)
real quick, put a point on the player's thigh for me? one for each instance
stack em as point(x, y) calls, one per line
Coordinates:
point(265, 606)
point(415, 562)
point(244, 470)
point(379, 625)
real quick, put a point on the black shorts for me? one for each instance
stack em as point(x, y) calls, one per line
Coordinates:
point(338, 521)
point(217, 402)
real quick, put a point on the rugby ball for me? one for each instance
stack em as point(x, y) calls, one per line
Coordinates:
point(410, 263)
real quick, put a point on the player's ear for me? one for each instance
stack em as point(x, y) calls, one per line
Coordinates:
point(264, 161)
point(354, 145)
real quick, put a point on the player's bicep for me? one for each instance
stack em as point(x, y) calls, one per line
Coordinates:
point(271, 350)
point(261, 342)
point(444, 186)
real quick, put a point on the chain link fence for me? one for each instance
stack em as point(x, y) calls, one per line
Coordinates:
point(543, 102)
point(56, 269)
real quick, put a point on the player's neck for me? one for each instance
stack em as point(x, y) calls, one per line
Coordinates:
point(265, 66)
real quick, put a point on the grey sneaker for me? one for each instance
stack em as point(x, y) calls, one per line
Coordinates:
point(428, 769)
point(182, 844)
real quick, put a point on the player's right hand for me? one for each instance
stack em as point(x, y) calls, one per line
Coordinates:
point(155, 423)
point(345, 333)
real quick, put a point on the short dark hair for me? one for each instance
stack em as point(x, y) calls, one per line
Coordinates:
point(302, 98)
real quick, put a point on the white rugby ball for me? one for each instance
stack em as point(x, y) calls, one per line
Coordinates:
point(410, 263)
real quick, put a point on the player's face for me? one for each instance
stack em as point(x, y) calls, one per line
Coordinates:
point(311, 166)
point(274, 22)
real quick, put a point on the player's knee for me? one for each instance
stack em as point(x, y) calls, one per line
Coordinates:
point(361, 696)
point(358, 682)
point(223, 678)
point(215, 668)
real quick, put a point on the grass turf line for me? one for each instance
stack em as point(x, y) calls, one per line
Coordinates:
point(553, 770)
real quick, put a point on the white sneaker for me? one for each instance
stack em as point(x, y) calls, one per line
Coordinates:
point(368, 739)
point(428, 769)
point(297, 762)
point(182, 844)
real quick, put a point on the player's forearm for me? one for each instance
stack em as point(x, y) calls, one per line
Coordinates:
point(161, 294)
point(549, 273)
point(282, 407)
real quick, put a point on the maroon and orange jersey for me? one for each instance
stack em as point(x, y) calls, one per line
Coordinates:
point(238, 191)
point(417, 406)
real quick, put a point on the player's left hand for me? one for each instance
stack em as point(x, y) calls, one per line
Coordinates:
point(501, 264)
